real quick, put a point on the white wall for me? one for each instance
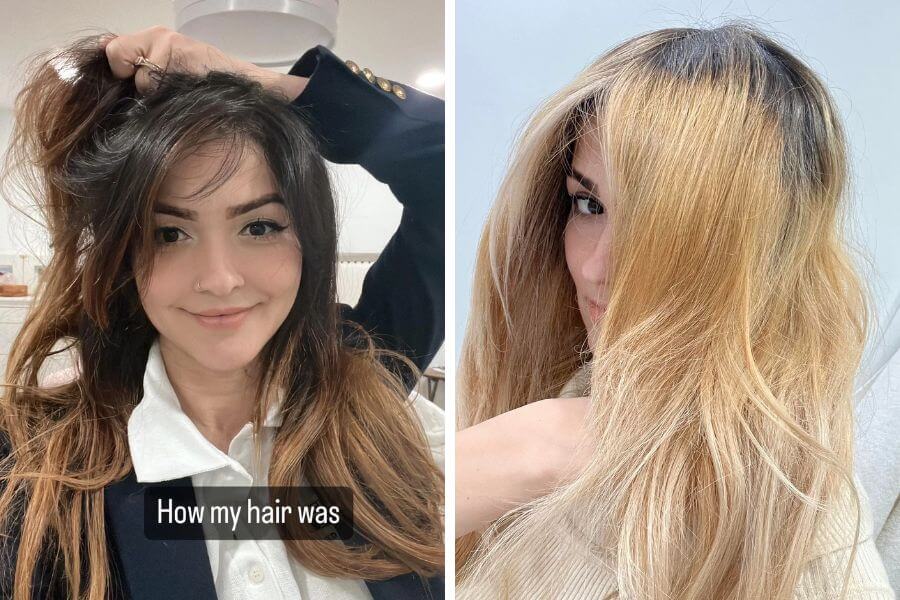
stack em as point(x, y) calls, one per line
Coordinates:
point(368, 213)
point(6, 245)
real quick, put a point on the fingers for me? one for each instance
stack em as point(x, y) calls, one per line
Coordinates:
point(106, 39)
point(122, 52)
point(161, 46)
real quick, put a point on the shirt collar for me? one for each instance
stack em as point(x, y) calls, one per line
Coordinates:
point(579, 384)
point(164, 442)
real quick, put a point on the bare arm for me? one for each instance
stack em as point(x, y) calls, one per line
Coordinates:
point(516, 457)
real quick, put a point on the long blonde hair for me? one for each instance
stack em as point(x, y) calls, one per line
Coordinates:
point(93, 154)
point(721, 376)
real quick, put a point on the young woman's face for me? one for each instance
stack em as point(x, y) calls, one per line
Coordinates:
point(227, 266)
point(589, 232)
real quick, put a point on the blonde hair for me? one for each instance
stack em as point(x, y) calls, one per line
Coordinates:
point(721, 376)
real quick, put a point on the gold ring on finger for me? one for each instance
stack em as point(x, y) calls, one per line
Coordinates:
point(143, 62)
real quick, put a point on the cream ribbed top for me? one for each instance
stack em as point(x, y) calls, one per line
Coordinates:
point(587, 575)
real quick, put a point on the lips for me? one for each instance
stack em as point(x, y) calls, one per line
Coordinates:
point(595, 310)
point(222, 318)
point(218, 312)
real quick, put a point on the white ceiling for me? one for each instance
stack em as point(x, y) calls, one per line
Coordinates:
point(397, 39)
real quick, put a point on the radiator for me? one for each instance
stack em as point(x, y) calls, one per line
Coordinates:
point(352, 268)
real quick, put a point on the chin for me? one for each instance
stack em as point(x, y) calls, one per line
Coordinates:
point(592, 329)
point(227, 363)
point(225, 356)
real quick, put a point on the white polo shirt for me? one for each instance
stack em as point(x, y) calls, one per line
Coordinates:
point(165, 445)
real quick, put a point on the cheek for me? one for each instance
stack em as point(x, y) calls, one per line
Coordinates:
point(576, 253)
point(163, 288)
point(277, 271)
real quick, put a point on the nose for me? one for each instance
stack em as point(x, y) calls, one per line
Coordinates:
point(218, 269)
point(595, 260)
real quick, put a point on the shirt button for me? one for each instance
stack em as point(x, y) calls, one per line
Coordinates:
point(257, 575)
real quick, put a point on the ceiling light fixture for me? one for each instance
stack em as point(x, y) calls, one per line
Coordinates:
point(268, 33)
point(432, 79)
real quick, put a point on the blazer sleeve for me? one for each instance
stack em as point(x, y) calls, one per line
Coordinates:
point(395, 133)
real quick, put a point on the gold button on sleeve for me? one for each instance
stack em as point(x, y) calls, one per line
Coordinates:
point(398, 91)
point(353, 67)
point(367, 72)
point(384, 84)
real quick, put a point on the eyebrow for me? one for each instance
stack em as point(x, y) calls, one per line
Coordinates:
point(584, 181)
point(232, 212)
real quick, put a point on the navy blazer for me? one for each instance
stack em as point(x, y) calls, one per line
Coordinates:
point(397, 135)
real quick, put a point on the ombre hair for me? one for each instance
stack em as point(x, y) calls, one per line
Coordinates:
point(94, 154)
point(721, 376)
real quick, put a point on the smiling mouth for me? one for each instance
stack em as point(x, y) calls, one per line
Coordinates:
point(219, 312)
point(222, 318)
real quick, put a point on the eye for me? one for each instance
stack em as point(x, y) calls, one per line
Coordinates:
point(263, 228)
point(169, 235)
point(587, 205)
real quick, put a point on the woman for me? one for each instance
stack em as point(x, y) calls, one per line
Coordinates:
point(193, 274)
point(665, 262)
